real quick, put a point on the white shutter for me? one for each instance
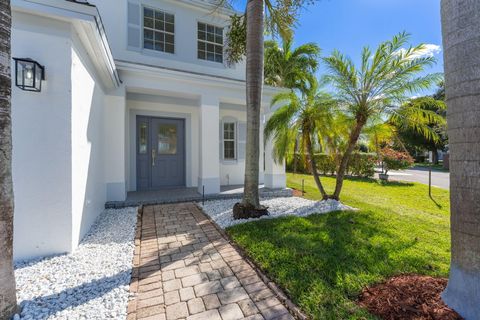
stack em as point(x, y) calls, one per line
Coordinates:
point(241, 140)
point(134, 36)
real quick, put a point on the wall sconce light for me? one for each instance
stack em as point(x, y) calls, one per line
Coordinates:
point(29, 74)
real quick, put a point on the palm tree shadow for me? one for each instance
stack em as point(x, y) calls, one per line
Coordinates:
point(46, 306)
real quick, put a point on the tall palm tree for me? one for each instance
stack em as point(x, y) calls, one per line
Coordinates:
point(384, 80)
point(461, 28)
point(246, 35)
point(300, 116)
point(8, 299)
point(290, 68)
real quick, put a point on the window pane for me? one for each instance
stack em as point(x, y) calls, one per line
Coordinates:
point(169, 27)
point(218, 50)
point(148, 44)
point(210, 56)
point(142, 140)
point(170, 48)
point(218, 58)
point(210, 47)
point(210, 37)
point(148, 12)
point(201, 27)
point(148, 34)
point(201, 55)
point(167, 139)
point(201, 45)
point(170, 18)
point(155, 28)
point(159, 25)
point(169, 38)
point(159, 46)
point(210, 28)
point(219, 31)
point(159, 36)
point(229, 150)
point(201, 35)
point(148, 23)
point(159, 15)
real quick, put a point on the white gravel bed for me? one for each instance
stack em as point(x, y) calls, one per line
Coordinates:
point(221, 210)
point(91, 283)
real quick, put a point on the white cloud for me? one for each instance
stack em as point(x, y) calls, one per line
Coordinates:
point(429, 50)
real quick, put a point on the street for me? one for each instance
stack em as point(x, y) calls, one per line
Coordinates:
point(440, 179)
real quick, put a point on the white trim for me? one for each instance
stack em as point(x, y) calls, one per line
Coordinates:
point(88, 23)
point(229, 119)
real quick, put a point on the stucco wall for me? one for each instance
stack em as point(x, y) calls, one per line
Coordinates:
point(88, 148)
point(41, 140)
point(186, 18)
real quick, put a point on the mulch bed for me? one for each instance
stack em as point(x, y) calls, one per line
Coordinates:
point(297, 193)
point(408, 297)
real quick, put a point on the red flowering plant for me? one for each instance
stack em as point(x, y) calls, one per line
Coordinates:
point(395, 160)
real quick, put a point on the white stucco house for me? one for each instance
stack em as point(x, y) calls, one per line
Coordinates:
point(136, 96)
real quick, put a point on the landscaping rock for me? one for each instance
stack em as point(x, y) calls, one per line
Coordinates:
point(221, 211)
point(91, 283)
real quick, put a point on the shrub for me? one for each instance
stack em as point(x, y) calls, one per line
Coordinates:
point(361, 164)
point(395, 160)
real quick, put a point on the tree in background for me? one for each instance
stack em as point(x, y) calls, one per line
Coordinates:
point(433, 135)
point(460, 29)
point(290, 68)
point(383, 82)
point(246, 38)
point(300, 116)
point(8, 298)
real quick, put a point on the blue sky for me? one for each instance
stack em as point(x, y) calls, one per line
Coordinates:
point(348, 25)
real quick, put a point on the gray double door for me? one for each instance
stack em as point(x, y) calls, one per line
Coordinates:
point(160, 153)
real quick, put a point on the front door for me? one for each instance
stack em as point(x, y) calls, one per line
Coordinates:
point(160, 153)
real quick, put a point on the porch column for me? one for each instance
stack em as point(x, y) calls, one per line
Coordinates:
point(275, 177)
point(209, 173)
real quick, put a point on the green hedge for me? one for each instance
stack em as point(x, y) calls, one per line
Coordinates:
point(360, 164)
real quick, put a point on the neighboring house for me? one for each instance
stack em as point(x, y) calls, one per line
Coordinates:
point(137, 96)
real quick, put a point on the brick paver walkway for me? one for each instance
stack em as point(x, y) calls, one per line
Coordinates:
point(185, 269)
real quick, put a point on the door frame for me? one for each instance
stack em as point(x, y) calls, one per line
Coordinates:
point(184, 147)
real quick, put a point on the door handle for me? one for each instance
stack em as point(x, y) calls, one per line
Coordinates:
point(153, 157)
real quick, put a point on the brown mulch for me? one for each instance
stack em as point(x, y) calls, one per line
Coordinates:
point(297, 193)
point(408, 297)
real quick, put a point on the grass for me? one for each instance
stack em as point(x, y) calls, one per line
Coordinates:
point(323, 261)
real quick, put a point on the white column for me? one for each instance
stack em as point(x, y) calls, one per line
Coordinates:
point(209, 173)
point(274, 177)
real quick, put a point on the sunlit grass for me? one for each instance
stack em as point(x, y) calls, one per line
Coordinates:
point(323, 261)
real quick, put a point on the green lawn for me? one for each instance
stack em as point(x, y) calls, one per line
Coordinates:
point(323, 261)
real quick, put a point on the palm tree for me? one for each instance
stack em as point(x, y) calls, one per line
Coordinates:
point(384, 80)
point(300, 116)
point(423, 131)
point(246, 35)
point(8, 299)
point(461, 26)
point(290, 68)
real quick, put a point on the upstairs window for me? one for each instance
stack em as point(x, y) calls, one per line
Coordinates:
point(210, 42)
point(158, 30)
point(229, 141)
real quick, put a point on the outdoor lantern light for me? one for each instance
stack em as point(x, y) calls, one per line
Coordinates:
point(29, 74)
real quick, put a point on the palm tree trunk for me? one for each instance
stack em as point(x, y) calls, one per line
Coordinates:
point(8, 299)
point(295, 156)
point(352, 142)
point(313, 167)
point(254, 77)
point(461, 29)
